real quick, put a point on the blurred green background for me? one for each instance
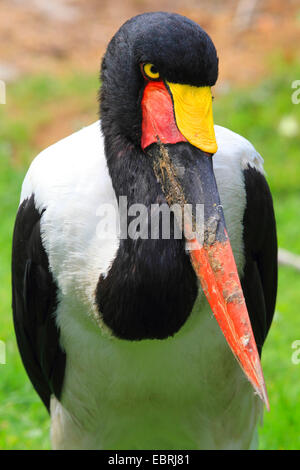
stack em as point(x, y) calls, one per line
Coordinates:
point(59, 98)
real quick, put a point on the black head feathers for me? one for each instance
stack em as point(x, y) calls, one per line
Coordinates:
point(178, 47)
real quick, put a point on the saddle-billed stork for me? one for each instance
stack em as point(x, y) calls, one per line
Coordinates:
point(131, 341)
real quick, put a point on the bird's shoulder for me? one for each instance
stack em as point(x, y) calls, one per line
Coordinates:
point(243, 188)
point(235, 151)
point(68, 164)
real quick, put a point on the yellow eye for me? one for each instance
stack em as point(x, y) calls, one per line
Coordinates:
point(151, 71)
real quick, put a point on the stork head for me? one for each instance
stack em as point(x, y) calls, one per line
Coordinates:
point(156, 78)
point(154, 49)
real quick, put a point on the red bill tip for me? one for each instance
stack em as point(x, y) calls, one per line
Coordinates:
point(216, 269)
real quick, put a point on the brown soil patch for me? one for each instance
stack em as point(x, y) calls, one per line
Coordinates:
point(56, 35)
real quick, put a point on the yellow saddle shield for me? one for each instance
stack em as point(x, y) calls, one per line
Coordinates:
point(193, 115)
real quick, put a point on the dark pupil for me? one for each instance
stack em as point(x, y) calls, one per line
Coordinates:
point(153, 69)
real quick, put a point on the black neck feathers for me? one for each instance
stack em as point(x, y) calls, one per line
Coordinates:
point(151, 286)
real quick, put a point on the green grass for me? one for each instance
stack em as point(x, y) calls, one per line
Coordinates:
point(32, 104)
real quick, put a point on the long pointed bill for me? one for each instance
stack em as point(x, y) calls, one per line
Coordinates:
point(216, 269)
point(186, 175)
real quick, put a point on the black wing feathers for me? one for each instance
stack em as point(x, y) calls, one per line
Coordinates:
point(260, 273)
point(34, 303)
